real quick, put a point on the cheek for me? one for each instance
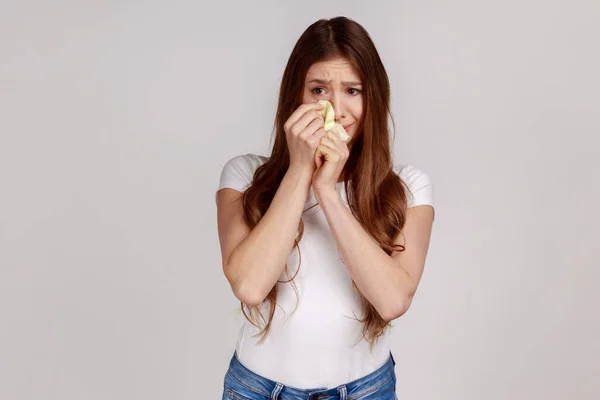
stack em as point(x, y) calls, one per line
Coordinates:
point(307, 97)
point(357, 110)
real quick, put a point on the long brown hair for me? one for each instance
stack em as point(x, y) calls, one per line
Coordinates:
point(376, 194)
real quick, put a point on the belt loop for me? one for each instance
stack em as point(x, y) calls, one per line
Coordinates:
point(343, 393)
point(276, 391)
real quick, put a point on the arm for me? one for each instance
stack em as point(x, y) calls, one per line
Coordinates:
point(388, 282)
point(258, 257)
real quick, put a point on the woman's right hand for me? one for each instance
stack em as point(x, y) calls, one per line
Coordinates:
point(304, 130)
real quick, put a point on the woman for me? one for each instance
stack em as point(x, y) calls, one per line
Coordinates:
point(324, 242)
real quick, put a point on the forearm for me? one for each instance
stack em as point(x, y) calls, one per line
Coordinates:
point(258, 261)
point(378, 277)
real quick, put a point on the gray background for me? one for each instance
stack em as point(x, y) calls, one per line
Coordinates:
point(117, 117)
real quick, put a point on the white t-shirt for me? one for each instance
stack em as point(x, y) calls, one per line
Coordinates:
point(318, 345)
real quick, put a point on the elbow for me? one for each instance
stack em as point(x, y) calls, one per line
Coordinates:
point(396, 309)
point(250, 297)
point(246, 292)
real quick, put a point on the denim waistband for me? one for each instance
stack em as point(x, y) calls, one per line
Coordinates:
point(271, 389)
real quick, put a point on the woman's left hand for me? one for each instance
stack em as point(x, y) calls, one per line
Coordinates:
point(335, 152)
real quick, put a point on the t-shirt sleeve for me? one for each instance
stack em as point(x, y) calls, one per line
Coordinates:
point(236, 174)
point(419, 185)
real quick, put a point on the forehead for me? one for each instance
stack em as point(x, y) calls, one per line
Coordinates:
point(338, 68)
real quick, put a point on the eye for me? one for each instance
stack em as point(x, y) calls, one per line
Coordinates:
point(318, 88)
point(356, 91)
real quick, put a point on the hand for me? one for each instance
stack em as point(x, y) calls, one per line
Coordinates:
point(335, 153)
point(304, 130)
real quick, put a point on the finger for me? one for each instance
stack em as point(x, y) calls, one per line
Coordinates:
point(329, 154)
point(310, 129)
point(339, 143)
point(318, 155)
point(318, 159)
point(321, 135)
point(326, 141)
point(317, 136)
point(300, 111)
point(334, 142)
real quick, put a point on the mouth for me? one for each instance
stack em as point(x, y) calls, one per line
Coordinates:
point(347, 126)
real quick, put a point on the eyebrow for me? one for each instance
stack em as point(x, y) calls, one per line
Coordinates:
point(345, 83)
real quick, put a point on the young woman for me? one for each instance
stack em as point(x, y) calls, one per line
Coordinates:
point(323, 242)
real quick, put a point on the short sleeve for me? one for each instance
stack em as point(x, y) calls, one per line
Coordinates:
point(237, 173)
point(419, 185)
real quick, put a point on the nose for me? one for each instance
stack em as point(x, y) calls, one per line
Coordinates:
point(338, 105)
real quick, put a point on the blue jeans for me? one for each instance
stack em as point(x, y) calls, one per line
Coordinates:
point(243, 384)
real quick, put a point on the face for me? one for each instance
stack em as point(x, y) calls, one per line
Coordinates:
point(337, 81)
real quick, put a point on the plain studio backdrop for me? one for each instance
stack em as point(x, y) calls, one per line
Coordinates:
point(116, 118)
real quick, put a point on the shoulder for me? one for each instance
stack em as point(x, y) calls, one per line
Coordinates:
point(246, 162)
point(418, 182)
point(237, 172)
